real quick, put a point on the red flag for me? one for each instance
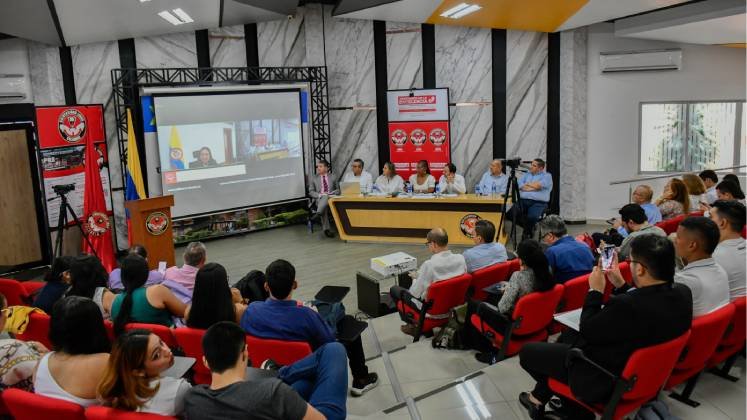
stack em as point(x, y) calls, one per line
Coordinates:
point(95, 219)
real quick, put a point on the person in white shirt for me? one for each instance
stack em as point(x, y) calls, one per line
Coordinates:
point(357, 174)
point(697, 238)
point(451, 182)
point(422, 181)
point(710, 179)
point(389, 182)
point(443, 265)
point(493, 177)
point(730, 253)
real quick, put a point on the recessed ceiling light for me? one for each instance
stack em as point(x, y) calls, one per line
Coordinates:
point(460, 10)
point(181, 14)
point(170, 18)
point(143, 1)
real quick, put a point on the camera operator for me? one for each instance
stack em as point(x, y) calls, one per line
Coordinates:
point(534, 192)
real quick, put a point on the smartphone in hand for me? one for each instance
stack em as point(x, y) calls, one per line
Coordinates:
point(607, 254)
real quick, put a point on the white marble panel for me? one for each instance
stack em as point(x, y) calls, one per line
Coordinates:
point(172, 50)
point(354, 137)
point(227, 47)
point(404, 55)
point(314, 17)
point(526, 94)
point(464, 65)
point(282, 43)
point(573, 138)
point(46, 74)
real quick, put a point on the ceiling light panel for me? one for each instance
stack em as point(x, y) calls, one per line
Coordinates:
point(166, 15)
point(181, 14)
point(467, 10)
point(459, 7)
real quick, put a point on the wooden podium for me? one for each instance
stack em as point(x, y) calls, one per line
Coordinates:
point(150, 221)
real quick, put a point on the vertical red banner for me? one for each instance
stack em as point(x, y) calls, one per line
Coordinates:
point(410, 142)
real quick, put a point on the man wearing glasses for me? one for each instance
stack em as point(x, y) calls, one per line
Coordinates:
point(567, 257)
point(635, 222)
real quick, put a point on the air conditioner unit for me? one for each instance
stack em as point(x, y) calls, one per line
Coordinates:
point(666, 59)
point(12, 88)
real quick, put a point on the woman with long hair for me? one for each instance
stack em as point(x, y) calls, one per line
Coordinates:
point(389, 182)
point(151, 305)
point(88, 278)
point(729, 190)
point(422, 181)
point(695, 189)
point(133, 380)
point(675, 200)
point(81, 351)
point(57, 281)
point(212, 300)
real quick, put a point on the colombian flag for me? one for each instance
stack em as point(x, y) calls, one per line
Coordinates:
point(176, 152)
point(134, 187)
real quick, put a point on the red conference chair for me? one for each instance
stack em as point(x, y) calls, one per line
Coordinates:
point(281, 351)
point(489, 275)
point(574, 294)
point(15, 293)
point(705, 334)
point(109, 326)
point(440, 298)
point(626, 273)
point(670, 226)
point(24, 405)
point(190, 340)
point(161, 331)
point(641, 380)
point(732, 343)
point(530, 320)
point(108, 413)
point(37, 329)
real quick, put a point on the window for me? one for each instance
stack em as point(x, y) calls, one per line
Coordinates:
point(692, 136)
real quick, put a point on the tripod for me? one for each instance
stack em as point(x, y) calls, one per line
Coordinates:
point(512, 191)
point(65, 209)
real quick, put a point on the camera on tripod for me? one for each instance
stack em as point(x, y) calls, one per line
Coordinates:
point(513, 163)
point(63, 189)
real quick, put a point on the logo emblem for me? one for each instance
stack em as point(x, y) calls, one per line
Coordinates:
point(399, 137)
point(437, 136)
point(417, 137)
point(96, 224)
point(157, 222)
point(467, 224)
point(72, 125)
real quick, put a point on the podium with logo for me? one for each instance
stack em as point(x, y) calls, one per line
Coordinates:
point(150, 226)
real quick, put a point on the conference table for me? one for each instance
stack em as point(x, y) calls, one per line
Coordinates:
point(407, 219)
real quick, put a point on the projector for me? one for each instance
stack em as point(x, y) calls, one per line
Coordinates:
point(393, 264)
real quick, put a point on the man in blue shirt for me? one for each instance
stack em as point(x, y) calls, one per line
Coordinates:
point(493, 177)
point(567, 257)
point(485, 252)
point(535, 187)
point(642, 196)
point(280, 317)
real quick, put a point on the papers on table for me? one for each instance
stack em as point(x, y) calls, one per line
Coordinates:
point(571, 319)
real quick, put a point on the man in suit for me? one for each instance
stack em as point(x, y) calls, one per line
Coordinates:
point(656, 311)
point(323, 184)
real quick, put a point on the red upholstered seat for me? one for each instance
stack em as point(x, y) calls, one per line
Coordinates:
point(641, 380)
point(15, 292)
point(109, 326)
point(626, 273)
point(733, 340)
point(24, 405)
point(670, 226)
point(37, 329)
point(281, 351)
point(108, 413)
point(162, 331)
point(574, 294)
point(531, 318)
point(190, 340)
point(440, 298)
point(492, 274)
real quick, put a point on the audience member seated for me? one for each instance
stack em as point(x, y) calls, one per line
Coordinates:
point(642, 195)
point(567, 257)
point(451, 182)
point(88, 279)
point(635, 223)
point(656, 311)
point(422, 181)
point(534, 276)
point(710, 179)
point(389, 182)
point(183, 278)
point(729, 190)
point(57, 281)
point(81, 352)
point(730, 254)
point(733, 178)
point(320, 378)
point(282, 318)
point(115, 277)
point(322, 185)
point(357, 174)
point(674, 201)
point(19, 357)
point(213, 301)
point(152, 305)
point(252, 287)
point(493, 179)
point(697, 238)
point(486, 251)
point(535, 187)
point(133, 380)
point(696, 190)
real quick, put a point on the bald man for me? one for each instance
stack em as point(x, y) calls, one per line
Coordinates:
point(642, 196)
point(493, 177)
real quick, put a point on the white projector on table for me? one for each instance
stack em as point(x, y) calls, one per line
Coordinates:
point(393, 264)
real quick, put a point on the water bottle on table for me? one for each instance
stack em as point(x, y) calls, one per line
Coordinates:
point(494, 193)
point(477, 190)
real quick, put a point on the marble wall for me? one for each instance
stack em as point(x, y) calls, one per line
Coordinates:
point(46, 74)
point(172, 50)
point(404, 55)
point(227, 47)
point(282, 43)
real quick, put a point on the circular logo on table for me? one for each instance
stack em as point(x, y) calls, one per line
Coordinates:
point(417, 137)
point(399, 137)
point(437, 136)
point(72, 125)
point(467, 224)
point(157, 223)
point(96, 224)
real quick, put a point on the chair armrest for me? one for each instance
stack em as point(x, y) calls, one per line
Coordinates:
point(485, 307)
point(576, 354)
point(410, 300)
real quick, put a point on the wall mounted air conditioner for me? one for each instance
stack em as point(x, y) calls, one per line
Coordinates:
point(12, 88)
point(666, 59)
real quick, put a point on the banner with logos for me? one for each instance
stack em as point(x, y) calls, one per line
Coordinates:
point(63, 133)
point(419, 129)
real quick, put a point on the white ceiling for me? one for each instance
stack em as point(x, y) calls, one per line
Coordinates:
point(596, 11)
point(723, 30)
point(417, 11)
point(28, 19)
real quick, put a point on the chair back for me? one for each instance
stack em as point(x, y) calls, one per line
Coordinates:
point(626, 272)
point(705, 334)
point(37, 329)
point(14, 292)
point(492, 274)
point(670, 226)
point(109, 326)
point(574, 293)
point(162, 331)
point(535, 310)
point(108, 413)
point(190, 340)
point(447, 294)
point(735, 333)
point(281, 351)
point(651, 366)
point(24, 405)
